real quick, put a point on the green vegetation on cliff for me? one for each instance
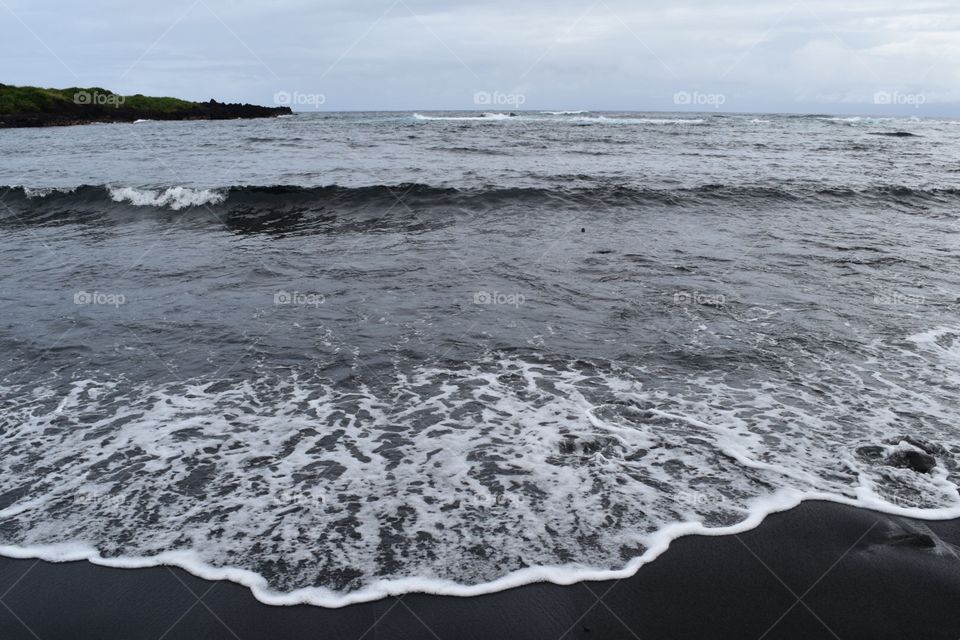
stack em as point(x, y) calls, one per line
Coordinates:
point(38, 107)
point(18, 100)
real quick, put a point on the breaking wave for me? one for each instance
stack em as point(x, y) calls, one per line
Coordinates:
point(174, 197)
point(249, 199)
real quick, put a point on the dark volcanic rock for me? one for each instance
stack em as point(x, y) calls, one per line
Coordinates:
point(922, 460)
point(919, 461)
point(914, 539)
point(924, 445)
point(69, 113)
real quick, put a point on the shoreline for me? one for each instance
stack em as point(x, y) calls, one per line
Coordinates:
point(860, 574)
point(45, 121)
point(558, 575)
point(35, 107)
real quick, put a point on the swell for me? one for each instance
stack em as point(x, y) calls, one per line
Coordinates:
point(52, 205)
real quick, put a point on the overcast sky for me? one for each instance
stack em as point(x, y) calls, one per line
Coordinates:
point(822, 56)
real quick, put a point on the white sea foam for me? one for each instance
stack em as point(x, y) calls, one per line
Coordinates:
point(657, 544)
point(486, 117)
point(630, 120)
point(567, 117)
point(43, 192)
point(943, 341)
point(856, 119)
point(173, 197)
point(464, 480)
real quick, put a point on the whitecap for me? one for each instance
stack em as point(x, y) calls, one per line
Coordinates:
point(486, 117)
point(43, 192)
point(172, 197)
point(640, 120)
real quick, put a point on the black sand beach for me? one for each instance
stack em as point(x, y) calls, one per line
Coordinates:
point(818, 571)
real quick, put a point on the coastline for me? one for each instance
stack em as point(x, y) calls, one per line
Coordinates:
point(818, 570)
point(221, 112)
point(60, 108)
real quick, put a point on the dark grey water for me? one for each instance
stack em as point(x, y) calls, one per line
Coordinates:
point(342, 351)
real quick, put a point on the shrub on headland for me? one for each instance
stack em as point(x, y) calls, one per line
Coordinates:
point(36, 106)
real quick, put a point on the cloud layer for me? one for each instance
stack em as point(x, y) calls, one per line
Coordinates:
point(880, 56)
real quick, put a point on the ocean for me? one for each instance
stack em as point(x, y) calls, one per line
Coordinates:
point(340, 356)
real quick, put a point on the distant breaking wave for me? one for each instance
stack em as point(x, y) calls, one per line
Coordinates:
point(564, 116)
point(488, 117)
point(631, 120)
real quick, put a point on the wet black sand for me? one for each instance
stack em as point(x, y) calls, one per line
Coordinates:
point(818, 571)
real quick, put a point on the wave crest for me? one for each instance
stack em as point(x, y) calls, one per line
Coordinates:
point(175, 198)
point(252, 196)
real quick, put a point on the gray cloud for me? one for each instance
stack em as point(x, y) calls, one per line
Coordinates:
point(874, 57)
